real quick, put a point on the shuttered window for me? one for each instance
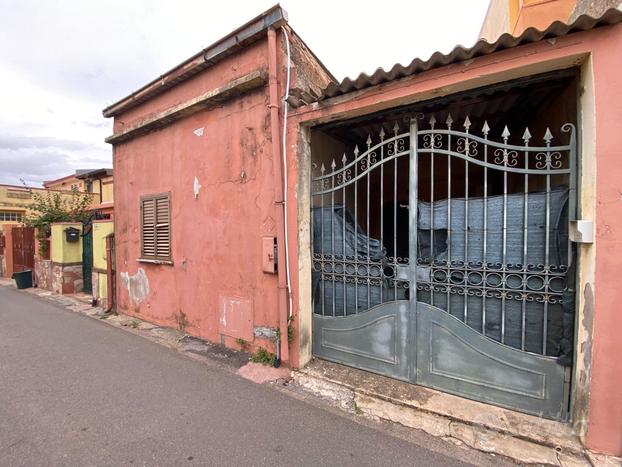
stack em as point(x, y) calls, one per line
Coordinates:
point(155, 214)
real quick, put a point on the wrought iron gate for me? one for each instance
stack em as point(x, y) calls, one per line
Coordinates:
point(441, 257)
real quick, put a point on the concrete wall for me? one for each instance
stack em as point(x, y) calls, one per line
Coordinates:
point(62, 251)
point(598, 370)
point(66, 260)
point(101, 229)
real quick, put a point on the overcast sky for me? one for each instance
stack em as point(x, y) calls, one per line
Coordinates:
point(63, 61)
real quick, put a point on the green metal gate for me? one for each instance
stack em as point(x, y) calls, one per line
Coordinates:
point(463, 282)
point(87, 256)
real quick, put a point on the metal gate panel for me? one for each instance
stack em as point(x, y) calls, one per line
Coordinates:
point(376, 340)
point(469, 292)
point(455, 358)
point(23, 248)
point(87, 257)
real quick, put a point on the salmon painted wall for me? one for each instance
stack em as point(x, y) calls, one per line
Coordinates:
point(605, 403)
point(604, 45)
point(251, 58)
point(216, 238)
point(216, 288)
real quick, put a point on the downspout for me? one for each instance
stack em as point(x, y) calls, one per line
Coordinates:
point(110, 272)
point(282, 344)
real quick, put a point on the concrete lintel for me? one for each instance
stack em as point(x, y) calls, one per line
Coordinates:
point(213, 97)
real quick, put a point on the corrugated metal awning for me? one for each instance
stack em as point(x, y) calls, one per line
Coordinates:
point(459, 54)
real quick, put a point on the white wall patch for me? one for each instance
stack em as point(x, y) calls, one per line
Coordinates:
point(199, 131)
point(196, 186)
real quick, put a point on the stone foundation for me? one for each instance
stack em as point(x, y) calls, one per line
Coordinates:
point(43, 273)
point(67, 278)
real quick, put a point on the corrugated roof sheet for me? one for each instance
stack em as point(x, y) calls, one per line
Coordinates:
point(459, 54)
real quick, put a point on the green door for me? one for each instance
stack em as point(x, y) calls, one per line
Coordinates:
point(87, 257)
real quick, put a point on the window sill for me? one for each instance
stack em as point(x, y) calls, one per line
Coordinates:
point(155, 261)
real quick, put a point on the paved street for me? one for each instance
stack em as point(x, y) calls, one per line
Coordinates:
point(76, 391)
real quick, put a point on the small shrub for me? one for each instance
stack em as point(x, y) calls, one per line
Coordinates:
point(264, 357)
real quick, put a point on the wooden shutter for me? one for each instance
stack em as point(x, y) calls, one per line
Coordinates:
point(148, 228)
point(163, 228)
point(156, 227)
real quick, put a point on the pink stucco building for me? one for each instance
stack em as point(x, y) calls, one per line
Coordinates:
point(451, 223)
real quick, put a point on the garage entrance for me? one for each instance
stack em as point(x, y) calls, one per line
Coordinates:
point(440, 245)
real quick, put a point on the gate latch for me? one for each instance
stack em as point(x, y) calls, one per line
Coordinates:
point(581, 231)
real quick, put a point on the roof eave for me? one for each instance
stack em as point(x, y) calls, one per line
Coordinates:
point(459, 53)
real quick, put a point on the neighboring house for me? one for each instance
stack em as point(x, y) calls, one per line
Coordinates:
point(67, 183)
point(15, 200)
point(515, 16)
point(449, 223)
point(96, 181)
point(100, 183)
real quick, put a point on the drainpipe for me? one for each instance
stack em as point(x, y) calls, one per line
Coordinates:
point(110, 272)
point(282, 345)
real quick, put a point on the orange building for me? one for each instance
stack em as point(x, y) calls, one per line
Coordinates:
point(514, 16)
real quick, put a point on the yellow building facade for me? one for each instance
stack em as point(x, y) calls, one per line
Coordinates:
point(15, 201)
point(99, 182)
point(515, 16)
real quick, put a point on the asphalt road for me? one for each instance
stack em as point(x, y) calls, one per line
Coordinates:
point(76, 391)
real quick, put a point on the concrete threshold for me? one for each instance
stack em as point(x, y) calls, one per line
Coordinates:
point(523, 438)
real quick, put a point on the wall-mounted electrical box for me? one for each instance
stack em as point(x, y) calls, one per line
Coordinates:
point(268, 254)
point(581, 231)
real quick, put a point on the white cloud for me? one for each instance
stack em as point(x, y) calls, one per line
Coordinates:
point(63, 61)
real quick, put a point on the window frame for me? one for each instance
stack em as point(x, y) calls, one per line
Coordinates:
point(155, 258)
point(11, 216)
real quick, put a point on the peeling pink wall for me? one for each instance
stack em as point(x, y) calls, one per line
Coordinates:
point(216, 288)
point(216, 238)
point(605, 47)
point(251, 58)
